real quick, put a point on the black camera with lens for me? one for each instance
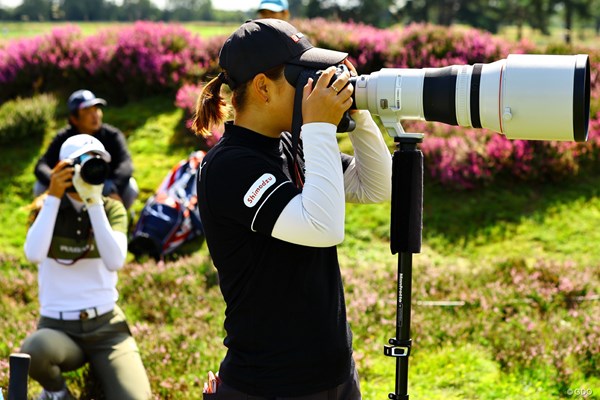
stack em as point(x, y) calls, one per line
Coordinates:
point(94, 169)
point(298, 75)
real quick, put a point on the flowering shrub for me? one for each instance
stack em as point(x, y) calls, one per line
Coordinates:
point(366, 45)
point(595, 81)
point(415, 46)
point(28, 65)
point(466, 158)
point(127, 63)
point(430, 46)
point(147, 58)
point(26, 118)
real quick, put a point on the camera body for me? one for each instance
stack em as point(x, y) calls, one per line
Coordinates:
point(346, 124)
point(94, 169)
point(297, 76)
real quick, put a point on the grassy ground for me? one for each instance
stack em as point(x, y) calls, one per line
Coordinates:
point(480, 247)
point(16, 30)
point(521, 260)
point(586, 37)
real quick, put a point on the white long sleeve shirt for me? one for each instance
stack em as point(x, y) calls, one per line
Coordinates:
point(315, 217)
point(78, 252)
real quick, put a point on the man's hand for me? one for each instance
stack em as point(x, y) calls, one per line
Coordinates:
point(90, 194)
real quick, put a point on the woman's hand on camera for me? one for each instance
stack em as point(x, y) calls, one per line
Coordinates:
point(60, 178)
point(323, 103)
point(353, 72)
point(351, 67)
point(90, 194)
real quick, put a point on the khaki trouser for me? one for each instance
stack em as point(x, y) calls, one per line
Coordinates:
point(105, 342)
point(349, 390)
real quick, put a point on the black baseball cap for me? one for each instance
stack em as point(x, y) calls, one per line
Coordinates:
point(82, 99)
point(262, 44)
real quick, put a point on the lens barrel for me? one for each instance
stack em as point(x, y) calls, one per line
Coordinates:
point(537, 97)
point(94, 170)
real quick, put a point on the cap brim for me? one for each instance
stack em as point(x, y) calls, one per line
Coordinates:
point(92, 102)
point(316, 57)
point(93, 149)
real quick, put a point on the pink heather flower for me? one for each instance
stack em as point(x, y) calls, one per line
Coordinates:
point(156, 57)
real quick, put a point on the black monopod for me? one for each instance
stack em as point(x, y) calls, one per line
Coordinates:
point(406, 226)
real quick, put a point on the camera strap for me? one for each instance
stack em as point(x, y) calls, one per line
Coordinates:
point(297, 177)
point(346, 124)
point(90, 241)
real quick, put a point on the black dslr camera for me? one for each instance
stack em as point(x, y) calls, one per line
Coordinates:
point(94, 170)
point(297, 76)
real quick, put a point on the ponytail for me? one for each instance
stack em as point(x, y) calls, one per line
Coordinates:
point(210, 108)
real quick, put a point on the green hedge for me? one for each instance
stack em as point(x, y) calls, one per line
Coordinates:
point(26, 118)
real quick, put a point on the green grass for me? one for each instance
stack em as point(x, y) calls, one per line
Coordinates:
point(477, 246)
point(17, 30)
point(555, 221)
point(520, 255)
point(207, 29)
point(580, 36)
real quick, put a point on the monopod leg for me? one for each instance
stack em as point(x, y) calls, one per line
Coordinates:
point(405, 238)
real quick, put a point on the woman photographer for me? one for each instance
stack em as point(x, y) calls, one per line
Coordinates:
point(79, 240)
point(272, 221)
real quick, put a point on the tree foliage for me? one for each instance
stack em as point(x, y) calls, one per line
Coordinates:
point(34, 10)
